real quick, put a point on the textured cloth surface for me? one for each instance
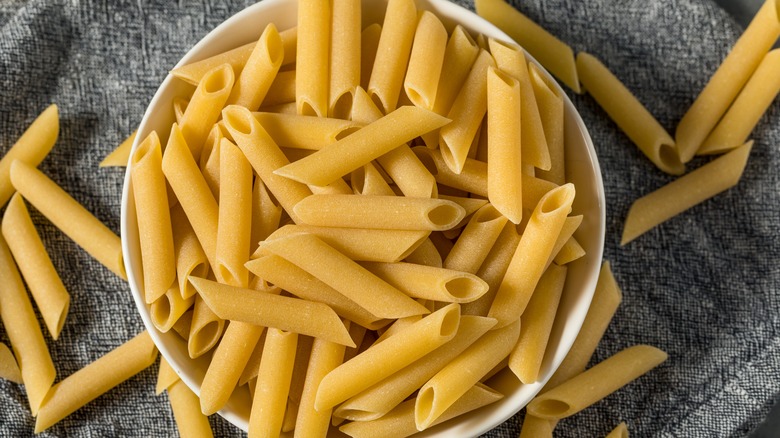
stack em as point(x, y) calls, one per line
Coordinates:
point(704, 287)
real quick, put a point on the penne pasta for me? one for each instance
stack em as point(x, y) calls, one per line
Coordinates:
point(302, 356)
point(570, 251)
point(369, 42)
point(534, 427)
point(273, 384)
point(266, 214)
point(569, 227)
point(551, 112)
point(166, 376)
point(69, 216)
point(179, 106)
point(620, 431)
point(282, 91)
point(184, 324)
point(205, 329)
point(683, 193)
point(345, 39)
point(166, 310)
point(425, 61)
point(209, 160)
point(203, 110)
point(254, 80)
point(476, 240)
point(312, 59)
point(190, 258)
point(426, 254)
point(253, 363)
point(120, 156)
point(367, 180)
point(190, 421)
point(305, 132)
point(9, 370)
point(430, 283)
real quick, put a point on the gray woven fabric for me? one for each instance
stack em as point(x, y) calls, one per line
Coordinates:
point(703, 287)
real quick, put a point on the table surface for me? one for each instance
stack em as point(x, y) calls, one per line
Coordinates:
point(705, 287)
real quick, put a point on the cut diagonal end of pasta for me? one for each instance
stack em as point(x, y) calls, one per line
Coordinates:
point(672, 199)
point(9, 370)
point(119, 156)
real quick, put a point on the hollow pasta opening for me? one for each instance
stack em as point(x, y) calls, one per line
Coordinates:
point(450, 323)
point(463, 288)
point(161, 313)
point(217, 80)
point(670, 159)
point(343, 107)
point(274, 49)
point(238, 120)
point(423, 408)
point(424, 155)
point(551, 408)
point(443, 216)
point(488, 214)
point(556, 199)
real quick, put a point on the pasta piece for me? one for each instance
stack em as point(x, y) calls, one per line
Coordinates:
point(31, 148)
point(369, 42)
point(166, 310)
point(728, 80)
point(282, 90)
point(254, 80)
point(205, 330)
point(154, 225)
point(504, 175)
point(379, 212)
point(227, 364)
point(253, 363)
point(312, 59)
point(534, 427)
point(268, 310)
point(190, 258)
point(425, 254)
point(398, 325)
point(380, 398)
point(629, 114)
point(119, 156)
point(264, 156)
point(179, 107)
point(166, 376)
point(606, 299)
point(552, 53)
point(476, 240)
point(367, 180)
point(430, 283)
point(302, 356)
point(526, 358)
point(620, 431)
point(290, 415)
point(190, 421)
point(466, 113)
point(273, 384)
point(288, 108)
point(531, 255)
point(462, 373)
point(300, 283)
point(385, 358)
point(551, 111)
point(368, 143)
point(400, 423)
point(442, 244)
point(305, 132)
point(235, 217)
point(46, 288)
point(183, 325)
point(570, 251)
point(266, 214)
point(602, 379)
point(203, 110)
point(23, 331)
point(345, 38)
point(95, 379)
point(361, 244)
point(425, 61)
point(209, 160)
point(569, 227)
point(339, 272)
point(392, 54)
point(748, 107)
point(9, 370)
point(69, 216)
point(194, 195)
point(683, 193)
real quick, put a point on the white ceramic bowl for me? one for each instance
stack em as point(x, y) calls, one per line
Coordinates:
point(582, 168)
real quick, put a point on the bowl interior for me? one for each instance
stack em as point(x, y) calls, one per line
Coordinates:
point(581, 166)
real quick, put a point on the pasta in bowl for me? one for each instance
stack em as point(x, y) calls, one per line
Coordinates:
point(381, 177)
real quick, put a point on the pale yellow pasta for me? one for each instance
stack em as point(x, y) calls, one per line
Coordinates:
point(266, 214)
point(312, 59)
point(552, 53)
point(751, 103)
point(728, 80)
point(471, 205)
point(302, 355)
point(209, 160)
point(273, 384)
point(551, 112)
point(205, 329)
point(194, 195)
point(476, 240)
point(339, 272)
point(269, 310)
point(683, 193)
point(290, 414)
point(227, 364)
point(21, 326)
point(567, 231)
point(235, 217)
point(505, 180)
point(31, 148)
point(442, 243)
point(167, 309)
point(95, 379)
point(305, 132)
point(531, 255)
point(367, 180)
point(398, 325)
point(179, 106)
point(425, 254)
point(400, 423)
point(430, 283)
point(369, 42)
point(392, 55)
point(526, 357)
point(364, 110)
point(119, 156)
point(190, 421)
point(254, 80)
point(425, 61)
point(154, 225)
point(9, 370)
point(264, 156)
point(205, 104)
point(387, 357)
point(620, 431)
point(281, 108)
point(183, 325)
point(629, 114)
point(300, 283)
point(361, 244)
point(345, 38)
point(166, 376)
point(325, 357)
point(190, 258)
point(46, 288)
point(570, 251)
point(597, 382)
point(253, 363)
point(380, 398)
point(462, 373)
point(364, 145)
point(69, 216)
point(534, 427)
point(282, 90)
point(466, 113)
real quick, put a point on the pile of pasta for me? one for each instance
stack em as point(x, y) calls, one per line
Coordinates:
point(719, 121)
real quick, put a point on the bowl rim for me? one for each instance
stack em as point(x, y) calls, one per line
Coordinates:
point(455, 13)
